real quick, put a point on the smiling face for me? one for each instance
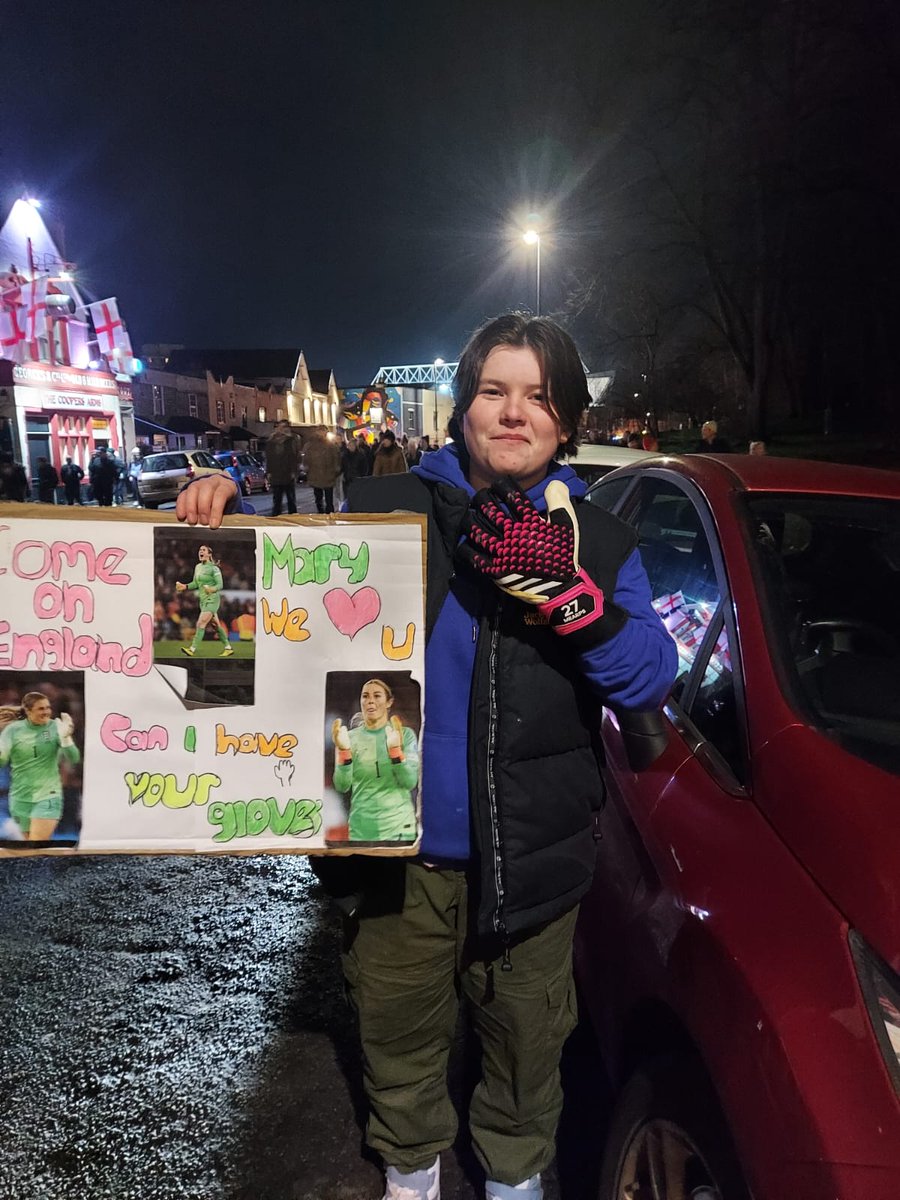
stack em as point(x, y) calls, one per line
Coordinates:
point(510, 428)
point(375, 704)
point(40, 712)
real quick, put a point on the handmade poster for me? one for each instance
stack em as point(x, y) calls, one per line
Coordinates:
point(174, 689)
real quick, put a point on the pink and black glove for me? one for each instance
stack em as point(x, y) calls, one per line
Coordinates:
point(535, 559)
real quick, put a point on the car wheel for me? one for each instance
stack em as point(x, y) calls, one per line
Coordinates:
point(668, 1138)
point(150, 503)
point(245, 487)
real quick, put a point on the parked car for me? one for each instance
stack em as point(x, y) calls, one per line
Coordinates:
point(245, 470)
point(739, 953)
point(163, 475)
point(593, 462)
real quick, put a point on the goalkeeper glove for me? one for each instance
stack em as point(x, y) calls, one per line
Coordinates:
point(393, 736)
point(65, 727)
point(535, 559)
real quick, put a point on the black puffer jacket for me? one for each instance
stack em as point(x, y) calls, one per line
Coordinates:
point(534, 778)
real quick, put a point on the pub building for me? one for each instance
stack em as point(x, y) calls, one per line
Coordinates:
point(65, 365)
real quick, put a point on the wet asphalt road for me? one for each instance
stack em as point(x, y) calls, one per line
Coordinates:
point(174, 1028)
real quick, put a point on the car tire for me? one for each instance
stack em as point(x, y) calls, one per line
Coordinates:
point(245, 487)
point(668, 1112)
point(150, 503)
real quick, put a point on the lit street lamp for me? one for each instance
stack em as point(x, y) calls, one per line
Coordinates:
point(532, 238)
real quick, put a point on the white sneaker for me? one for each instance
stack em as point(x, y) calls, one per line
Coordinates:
point(417, 1185)
point(528, 1189)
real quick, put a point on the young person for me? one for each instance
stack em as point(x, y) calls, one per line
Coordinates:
point(537, 613)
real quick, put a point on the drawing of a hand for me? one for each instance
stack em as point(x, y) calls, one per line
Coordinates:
point(284, 771)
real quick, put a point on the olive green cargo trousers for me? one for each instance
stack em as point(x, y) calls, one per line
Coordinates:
point(408, 960)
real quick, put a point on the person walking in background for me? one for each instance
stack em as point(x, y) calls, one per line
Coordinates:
point(119, 484)
point(134, 470)
point(13, 479)
point(72, 476)
point(710, 442)
point(48, 481)
point(389, 457)
point(282, 465)
point(323, 468)
point(539, 613)
point(103, 473)
point(354, 462)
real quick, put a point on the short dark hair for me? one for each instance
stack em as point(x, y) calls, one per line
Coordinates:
point(388, 436)
point(562, 372)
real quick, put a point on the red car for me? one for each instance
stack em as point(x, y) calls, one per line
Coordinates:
point(739, 953)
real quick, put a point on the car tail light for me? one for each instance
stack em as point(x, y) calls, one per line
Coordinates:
point(881, 989)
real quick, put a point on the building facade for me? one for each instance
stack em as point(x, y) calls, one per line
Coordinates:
point(61, 395)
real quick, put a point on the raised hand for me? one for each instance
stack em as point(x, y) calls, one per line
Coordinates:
point(65, 727)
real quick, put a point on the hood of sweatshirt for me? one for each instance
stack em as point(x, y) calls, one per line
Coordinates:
point(444, 466)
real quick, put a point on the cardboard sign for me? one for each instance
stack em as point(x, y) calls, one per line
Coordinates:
point(172, 689)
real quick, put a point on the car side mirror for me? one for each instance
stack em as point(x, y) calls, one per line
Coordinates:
point(644, 737)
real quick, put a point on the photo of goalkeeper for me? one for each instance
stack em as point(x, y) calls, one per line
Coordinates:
point(208, 584)
point(376, 762)
point(32, 745)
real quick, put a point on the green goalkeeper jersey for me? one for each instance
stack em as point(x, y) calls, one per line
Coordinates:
point(206, 575)
point(381, 806)
point(33, 753)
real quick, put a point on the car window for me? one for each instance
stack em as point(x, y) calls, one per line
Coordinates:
point(164, 462)
point(677, 556)
point(608, 493)
point(830, 570)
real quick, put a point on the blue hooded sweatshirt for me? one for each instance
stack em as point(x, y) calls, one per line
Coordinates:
point(633, 670)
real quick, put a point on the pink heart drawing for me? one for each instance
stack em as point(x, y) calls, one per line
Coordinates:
point(349, 614)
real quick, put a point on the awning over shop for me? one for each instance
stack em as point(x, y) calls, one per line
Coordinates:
point(237, 434)
point(145, 426)
point(181, 424)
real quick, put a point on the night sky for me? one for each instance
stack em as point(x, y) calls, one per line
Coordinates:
point(347, 177)
point(343, 177)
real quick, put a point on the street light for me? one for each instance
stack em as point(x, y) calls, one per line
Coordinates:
point(531, 237)
point(438, 362)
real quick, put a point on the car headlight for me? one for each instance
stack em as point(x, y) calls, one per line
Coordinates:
point(881, 989)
